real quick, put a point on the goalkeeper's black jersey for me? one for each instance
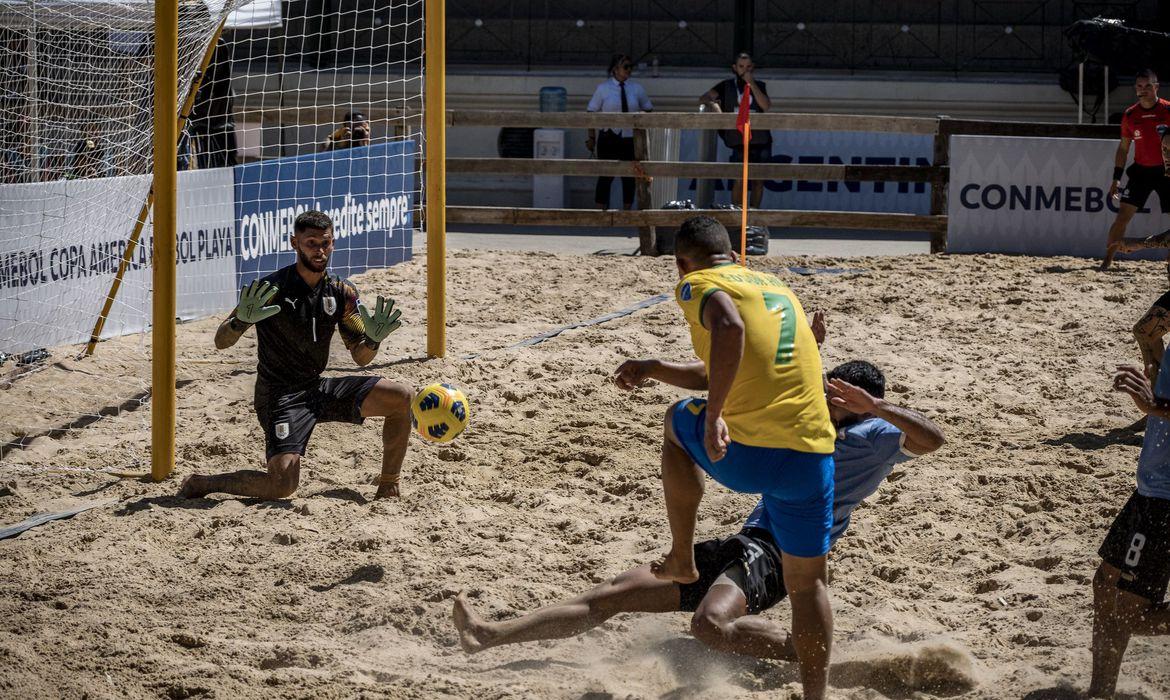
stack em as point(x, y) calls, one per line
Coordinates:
point(294, 344)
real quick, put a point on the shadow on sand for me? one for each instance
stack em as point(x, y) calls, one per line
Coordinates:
point(1099, 441)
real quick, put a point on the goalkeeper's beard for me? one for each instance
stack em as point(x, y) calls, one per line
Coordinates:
point(307, 262)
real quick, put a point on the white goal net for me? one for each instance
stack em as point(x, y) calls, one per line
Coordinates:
point(314, 104)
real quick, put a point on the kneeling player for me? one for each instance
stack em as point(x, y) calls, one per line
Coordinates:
point(293, 337)
point(1131, 581)
point(740, 576)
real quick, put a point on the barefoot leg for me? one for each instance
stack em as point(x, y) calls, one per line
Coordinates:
point(636, 590)
point(682, 484)
point(193, 487)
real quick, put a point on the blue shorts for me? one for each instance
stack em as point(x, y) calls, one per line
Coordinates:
point(797, 487)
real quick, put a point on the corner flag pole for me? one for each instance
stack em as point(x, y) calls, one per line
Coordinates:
point(747, 137)
point(166, 135)
point(435, 118)
point(743, 122)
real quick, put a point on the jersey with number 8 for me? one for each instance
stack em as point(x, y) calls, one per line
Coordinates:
point(777, 398)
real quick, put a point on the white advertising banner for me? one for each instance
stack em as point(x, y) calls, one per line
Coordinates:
point(1037, 196)
point(206, 281)
point(258, 14)
point(61, 243)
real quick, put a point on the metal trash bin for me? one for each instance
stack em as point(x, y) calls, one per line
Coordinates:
point(757, 236)
point(663, 145)
point(548, 191)
point(664, 242)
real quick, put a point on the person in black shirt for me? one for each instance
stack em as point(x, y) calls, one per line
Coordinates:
point(724, 97)
point(295, 311)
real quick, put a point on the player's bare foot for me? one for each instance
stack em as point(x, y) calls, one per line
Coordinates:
point(387, 491)
point(192, 487)
point(674, 568)
point(473, 635)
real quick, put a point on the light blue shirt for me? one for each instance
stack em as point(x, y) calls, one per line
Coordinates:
point(608, 98)
point(1153, 474)
point(865, 453)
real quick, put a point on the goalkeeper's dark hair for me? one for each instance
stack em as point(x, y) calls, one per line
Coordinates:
point(701, 237)
point(312, 219)
point(862, 374)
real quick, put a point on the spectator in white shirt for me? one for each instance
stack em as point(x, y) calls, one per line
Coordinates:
point(618, 94)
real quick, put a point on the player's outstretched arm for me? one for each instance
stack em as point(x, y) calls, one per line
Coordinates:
point(923, 436)
point(375, 326)
point(685, 375)
point(252, 308)
point(229, 332)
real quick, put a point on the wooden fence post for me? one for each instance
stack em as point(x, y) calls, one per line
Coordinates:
point(646, 234)
point(941, 182)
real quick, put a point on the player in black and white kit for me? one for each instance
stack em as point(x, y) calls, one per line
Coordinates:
point(740, 576)
point(296, 310)
point(1131, 582)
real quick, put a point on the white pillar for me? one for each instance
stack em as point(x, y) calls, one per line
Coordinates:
point(1081, 93)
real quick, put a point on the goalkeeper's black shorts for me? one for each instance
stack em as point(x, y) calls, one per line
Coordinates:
point(289, 414)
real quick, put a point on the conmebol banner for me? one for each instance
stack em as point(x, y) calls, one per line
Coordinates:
point(63, 241)
point(366, 191)
point(1037, 196)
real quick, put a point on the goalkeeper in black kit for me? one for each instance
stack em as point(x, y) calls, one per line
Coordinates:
point(295, 311)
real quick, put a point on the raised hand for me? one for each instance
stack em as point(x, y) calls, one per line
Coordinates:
point(383, 321)
point(851, 398)
point(253, 305)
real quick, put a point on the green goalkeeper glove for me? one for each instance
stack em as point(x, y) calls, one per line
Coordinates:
point(253, 299)
point(382, 322)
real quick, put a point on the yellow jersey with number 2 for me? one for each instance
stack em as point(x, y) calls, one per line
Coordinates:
point(778, 396)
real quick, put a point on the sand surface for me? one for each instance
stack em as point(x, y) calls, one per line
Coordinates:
point(968, 576)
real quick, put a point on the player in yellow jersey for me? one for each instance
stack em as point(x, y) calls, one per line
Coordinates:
point(764, 427)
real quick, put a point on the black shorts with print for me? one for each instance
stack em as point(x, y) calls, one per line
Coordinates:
point(289, 414)
point(1138, 544)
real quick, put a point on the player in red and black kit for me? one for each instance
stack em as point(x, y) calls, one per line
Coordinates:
point(1147, 174)
point(295, 311)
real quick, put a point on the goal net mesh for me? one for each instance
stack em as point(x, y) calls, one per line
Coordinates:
point(307, 105)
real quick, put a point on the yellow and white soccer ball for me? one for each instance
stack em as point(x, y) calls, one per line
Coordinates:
point(439, 413)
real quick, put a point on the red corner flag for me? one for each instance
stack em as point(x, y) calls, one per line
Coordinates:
point(743, 122)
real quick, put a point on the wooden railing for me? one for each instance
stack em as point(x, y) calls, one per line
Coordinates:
point(937, 174)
